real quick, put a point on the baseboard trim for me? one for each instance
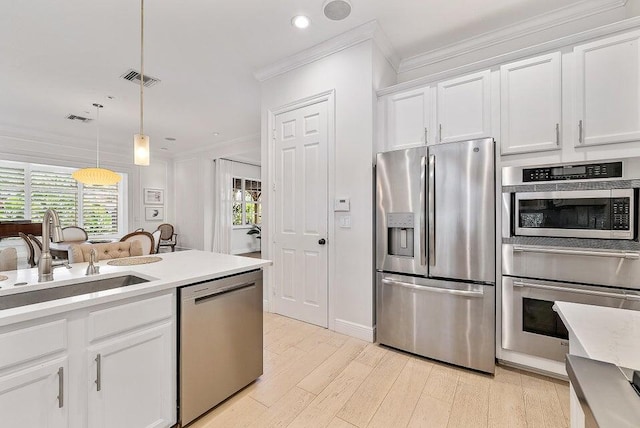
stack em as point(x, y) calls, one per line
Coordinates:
point(358, 331)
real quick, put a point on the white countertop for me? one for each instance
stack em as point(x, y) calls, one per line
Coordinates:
point(175, 270)
point(606, 334)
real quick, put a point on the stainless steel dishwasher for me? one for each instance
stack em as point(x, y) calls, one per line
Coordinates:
point(220, 341)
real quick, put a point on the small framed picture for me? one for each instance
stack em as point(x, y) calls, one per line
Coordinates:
point(153, 196)
point(154, 213)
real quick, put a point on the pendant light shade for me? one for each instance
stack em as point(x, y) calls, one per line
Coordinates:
point(141, 149)
point(141, 141)
point(96, 176)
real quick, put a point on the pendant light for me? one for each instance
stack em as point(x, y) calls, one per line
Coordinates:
point(97, 175)
point(141, 141)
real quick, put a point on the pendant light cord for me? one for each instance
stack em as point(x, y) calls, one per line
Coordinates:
point(141, 66)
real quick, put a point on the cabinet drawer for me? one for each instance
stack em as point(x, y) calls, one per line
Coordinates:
point(121, 318)
point(32, 343)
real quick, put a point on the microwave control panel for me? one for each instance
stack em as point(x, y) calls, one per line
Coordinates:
point(592, 171)
point(620, 214)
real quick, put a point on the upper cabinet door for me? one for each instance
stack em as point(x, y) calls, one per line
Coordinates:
point(608, 90)
point(464, 108)
point(408, 119)
point(531, 104)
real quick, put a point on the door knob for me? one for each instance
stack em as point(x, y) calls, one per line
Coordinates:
point(322, 241)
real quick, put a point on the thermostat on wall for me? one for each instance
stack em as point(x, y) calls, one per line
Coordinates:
point(342, 204)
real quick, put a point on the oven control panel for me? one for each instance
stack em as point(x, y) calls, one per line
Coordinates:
point(620, 214)
point(573, 172)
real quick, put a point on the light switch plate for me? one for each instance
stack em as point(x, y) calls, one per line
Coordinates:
point(345, 221)
point(342, 204)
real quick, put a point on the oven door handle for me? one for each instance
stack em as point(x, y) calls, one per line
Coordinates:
point(624, 296)
point(411, 286)
point(571, 252)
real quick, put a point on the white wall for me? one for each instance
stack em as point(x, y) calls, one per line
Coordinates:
point(193, 184)
point(350, 74)
point(240, 241)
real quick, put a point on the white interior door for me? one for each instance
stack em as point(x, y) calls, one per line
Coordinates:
point(300, 235)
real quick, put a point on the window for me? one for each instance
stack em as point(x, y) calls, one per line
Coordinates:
point(247, 206)
point(27, 190)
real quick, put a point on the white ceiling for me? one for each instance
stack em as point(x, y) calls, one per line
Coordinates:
point(59, 57)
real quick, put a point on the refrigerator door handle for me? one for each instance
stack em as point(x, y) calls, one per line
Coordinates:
point(423, 219)
point(432, 210)
point(434, 289)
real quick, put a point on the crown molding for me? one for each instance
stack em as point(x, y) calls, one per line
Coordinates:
point(606, 30)
point(368, 31)
point(520, 29)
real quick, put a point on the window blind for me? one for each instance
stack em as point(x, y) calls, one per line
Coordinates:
point(12, 188)
point(55, 190)
point(100, 209)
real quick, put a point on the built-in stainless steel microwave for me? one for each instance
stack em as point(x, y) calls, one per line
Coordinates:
point(589, 200)
point(607, 214)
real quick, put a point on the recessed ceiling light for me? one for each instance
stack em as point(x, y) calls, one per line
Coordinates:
point(215, 134)
point(170, 138)
point(164, 148)
point(300, 21)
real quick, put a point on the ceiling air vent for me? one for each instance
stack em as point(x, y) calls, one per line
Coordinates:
point(134, 76)
point(78, 118)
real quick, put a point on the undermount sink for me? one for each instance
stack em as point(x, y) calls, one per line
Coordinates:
point(55, 293)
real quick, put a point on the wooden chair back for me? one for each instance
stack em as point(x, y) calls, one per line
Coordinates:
point(145, 238)
point(74, 233)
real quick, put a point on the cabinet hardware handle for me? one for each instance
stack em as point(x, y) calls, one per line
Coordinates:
point(580, 139)
point(440, 132)
point(426, 133)
point(557, 134)
point(60, 387)
point(98, 372)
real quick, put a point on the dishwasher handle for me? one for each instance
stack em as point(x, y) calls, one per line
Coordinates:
point(224, 290)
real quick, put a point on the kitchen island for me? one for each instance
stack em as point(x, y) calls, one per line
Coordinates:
point(604, 349)
point(108, 358)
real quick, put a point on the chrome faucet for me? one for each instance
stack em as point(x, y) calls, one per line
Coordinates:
point(93, 269)
point(45, 264)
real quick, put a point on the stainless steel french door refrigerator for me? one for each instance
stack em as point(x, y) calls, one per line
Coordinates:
point(435, 252)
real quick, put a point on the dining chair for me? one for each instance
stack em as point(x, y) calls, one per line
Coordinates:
point(145, 238)
point(167, 237)
point(8, 259)
point(156, 240)
point(79, 253)
point(74, 233)
point(31, 257)
point(37, 248)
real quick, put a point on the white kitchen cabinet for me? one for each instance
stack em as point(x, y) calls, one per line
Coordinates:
point(409, 119)
point(35, 396)
point(464, 108)
point(130, 381)
point(531, 104)
point(607, 97)
point(48, 367)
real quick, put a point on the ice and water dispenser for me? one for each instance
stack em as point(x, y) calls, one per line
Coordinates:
point(400, 228)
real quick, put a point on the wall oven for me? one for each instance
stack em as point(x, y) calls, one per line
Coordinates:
point(531, 326)
point(569, 233)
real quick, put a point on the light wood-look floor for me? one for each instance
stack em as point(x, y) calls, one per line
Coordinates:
point(317, 378)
